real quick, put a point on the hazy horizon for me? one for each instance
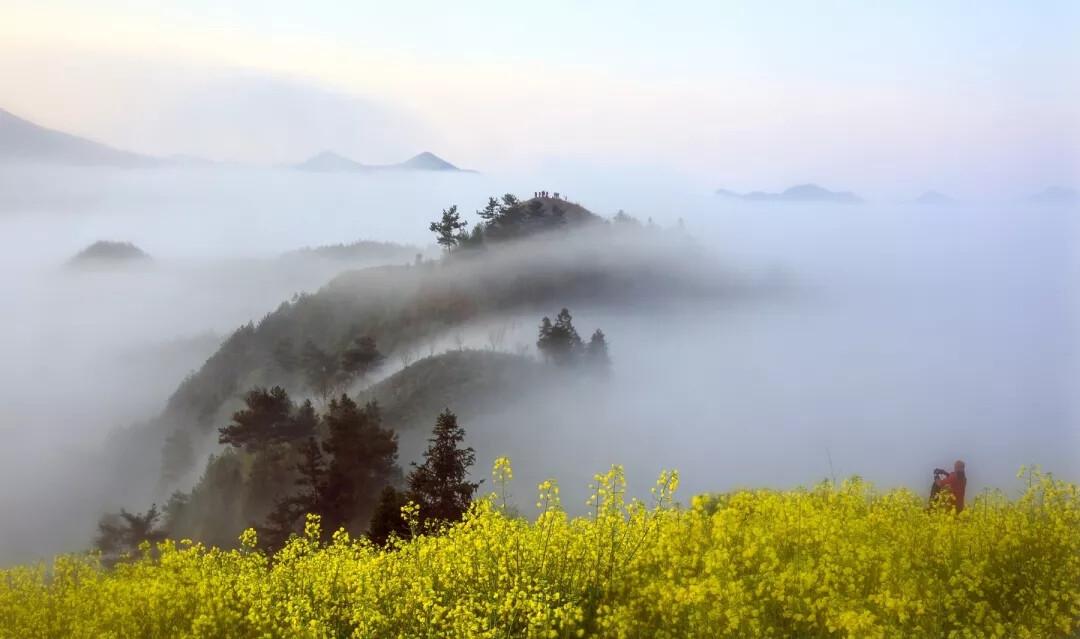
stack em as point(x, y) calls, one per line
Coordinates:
point(893, 102)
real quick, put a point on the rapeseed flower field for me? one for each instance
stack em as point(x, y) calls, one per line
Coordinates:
point(837, 560)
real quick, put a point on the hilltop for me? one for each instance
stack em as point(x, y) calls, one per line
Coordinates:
point(405, 307)
point(465, 379)
point(105, 252)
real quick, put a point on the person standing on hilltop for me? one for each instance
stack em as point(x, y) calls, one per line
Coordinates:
point(954, 483)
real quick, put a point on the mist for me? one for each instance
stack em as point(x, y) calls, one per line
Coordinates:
point(903, 336)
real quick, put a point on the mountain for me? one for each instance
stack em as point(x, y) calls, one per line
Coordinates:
point(329, 161)
point(799, 193)
point(1056, 195)
point(359, 251)
point(466, 379)
point(105, 252)
point(24, 141)
point(427, 161)
point(934, 198)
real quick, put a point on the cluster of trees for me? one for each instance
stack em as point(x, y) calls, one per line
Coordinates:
point(560, 343)
point(327, 373)
point(501, 219)
point(284, 460)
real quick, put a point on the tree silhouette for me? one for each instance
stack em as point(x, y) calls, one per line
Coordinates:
point(439, 486)
point(596, 352)
point(122, 532)
point(387, 519)
point(267, 417)
point(448, 228)
point(559, 342)
point(364, 456)
point(361, 357)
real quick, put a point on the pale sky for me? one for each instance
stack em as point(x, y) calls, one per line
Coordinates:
point(956, 96)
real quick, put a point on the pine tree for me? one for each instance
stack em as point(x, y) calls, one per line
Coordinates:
point(289, 511)
point(490, 212)
point(122, 532)
point(448, 227)
point(364, 456)
point(387, 519)
point(559, 342)
point(267, 413)
point(361, 357)
point(439, 486)
point(596, 353)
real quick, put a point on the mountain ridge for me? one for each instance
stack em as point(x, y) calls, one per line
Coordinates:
point(24, 141)
point(799, 193)
point(333, 162)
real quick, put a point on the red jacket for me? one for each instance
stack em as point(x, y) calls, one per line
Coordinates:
point(955, 483)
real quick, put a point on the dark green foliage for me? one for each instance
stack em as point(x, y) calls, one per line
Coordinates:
point(448, 228)
point(439, 486)
point(400, 306)
point(122, 532)
point(214, 511)
point(387, 519)
point(269, 416)
point(363, 461)
point(361, 357)
point(491, 211)
point(560, 343)
point(287, 516)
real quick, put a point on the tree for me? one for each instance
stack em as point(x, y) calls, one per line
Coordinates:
point(439, 486)
point(266, 417)
point(387, 519)
point(321, 370)
point(448, 228)
point(361, 357)
point(559, 342)
point(596, 352)
point(284, 355)
point(289, 511)
point(490, 212)
point(364, 456)
point(122, 532)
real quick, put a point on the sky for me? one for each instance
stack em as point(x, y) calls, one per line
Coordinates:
point(963, 97)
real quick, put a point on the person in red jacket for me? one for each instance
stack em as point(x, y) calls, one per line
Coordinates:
point(954, 483)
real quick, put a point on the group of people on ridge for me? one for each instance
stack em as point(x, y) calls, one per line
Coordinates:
point(555, 195)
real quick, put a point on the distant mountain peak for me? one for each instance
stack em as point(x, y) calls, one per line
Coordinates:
point(24, 141)
point(105, 252)
point(329, 161)
point(332, 161)
point(428, 161)
point(1056, 195)
point(797, 193)
point(934, 197)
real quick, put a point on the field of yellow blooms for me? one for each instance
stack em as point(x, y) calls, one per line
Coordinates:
point(833, 561)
